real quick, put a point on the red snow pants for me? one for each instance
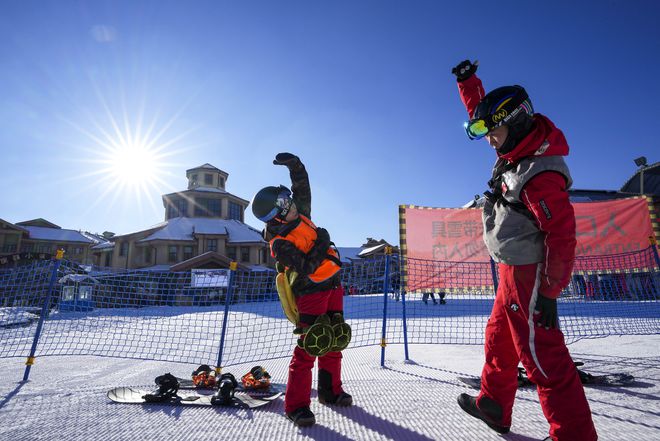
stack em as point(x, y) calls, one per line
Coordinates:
point(512, 337)
point(299, 385)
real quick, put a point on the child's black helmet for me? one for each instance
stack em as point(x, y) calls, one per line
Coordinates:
point(271, 203)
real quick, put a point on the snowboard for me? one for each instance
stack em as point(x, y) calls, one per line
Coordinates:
point(608, 380)
point(251, 399)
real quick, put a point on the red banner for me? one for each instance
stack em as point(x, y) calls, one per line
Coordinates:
point(455, 235)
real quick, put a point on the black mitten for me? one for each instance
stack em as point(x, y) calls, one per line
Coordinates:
point(465, 69)
point(289, 160)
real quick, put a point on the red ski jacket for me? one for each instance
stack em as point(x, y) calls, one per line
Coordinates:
point(545, 195)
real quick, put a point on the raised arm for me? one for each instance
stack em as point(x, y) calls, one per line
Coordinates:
point(469, 85)
point(302, 193)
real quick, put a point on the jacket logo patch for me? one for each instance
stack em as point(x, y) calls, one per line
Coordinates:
point(545, 209)
point(514, 307)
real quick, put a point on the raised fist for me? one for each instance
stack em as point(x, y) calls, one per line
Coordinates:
point(465, 69)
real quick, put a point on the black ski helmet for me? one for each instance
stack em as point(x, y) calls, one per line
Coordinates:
point(504, 105)
point(271, 203)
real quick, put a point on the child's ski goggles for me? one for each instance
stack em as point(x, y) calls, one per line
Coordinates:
point(477, 128)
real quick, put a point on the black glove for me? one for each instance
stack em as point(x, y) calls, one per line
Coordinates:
point(547, 310)
point(465, 69)
point(287, 159)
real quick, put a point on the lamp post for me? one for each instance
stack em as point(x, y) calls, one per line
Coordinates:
point(641, 163)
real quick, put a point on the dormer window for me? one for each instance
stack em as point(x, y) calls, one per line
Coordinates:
point(208, 179)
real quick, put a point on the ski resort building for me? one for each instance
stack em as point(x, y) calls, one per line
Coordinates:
point(203, 227)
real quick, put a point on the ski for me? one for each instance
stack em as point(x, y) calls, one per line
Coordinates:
point(587, 379)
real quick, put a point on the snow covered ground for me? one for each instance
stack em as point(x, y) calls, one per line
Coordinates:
point(65, 399)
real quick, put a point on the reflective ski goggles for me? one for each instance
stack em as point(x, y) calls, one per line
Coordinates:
point(477, 128)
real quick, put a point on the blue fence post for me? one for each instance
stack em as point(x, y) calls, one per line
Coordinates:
point(386, 288)
point(44, 312)
point(230, 290)
point(493, 272)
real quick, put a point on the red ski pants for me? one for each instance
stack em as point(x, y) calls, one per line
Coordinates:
point(299, 385)
point(513, 337)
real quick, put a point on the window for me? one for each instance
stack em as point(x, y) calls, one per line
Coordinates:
point(43, 248)
point(27, 248)
point(207, 207)
point(231, 253)
point(78, 251)
point(245, 254)
point(177, 208)
point(212, 245)
point(172, 253)
point(208, 179)
point(11, 243)
point(123, 249)
point(147, 255)
point(84, 293)
point(187, 252)
point(264, 255)
point(193, 178)
point(221, 182)
point(108, 259)
point(68, 293)
point(235, 211)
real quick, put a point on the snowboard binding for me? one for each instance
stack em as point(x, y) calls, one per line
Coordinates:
point(225, 394)
point(257, 378)
point(204, 377)
point(168, 386)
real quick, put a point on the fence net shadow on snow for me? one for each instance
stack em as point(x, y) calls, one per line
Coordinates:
point(180, 316)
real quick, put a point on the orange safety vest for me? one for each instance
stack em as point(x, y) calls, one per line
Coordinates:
point(303, 237)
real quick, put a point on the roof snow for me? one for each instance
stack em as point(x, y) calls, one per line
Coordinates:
point(183, 228)
point(57, 234)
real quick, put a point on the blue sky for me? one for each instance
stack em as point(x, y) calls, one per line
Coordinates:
point(360, 90)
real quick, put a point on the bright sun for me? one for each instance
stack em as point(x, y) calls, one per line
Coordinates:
point(133, 164)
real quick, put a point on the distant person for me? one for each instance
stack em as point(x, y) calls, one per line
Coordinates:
point(299, 245)
point(529, 229)
point(426, 295)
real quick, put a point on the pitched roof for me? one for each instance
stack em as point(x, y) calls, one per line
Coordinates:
point(183, 228)
point(209, 257)
point(39, 222)
point(56, 234)
point(12, 226)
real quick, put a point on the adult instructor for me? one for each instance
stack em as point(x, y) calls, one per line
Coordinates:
point(529, 229)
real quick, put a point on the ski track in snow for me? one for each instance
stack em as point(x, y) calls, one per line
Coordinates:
point(65, 399)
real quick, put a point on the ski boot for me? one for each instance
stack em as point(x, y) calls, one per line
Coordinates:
point(318, 338)
point(225, 394)
point(325, 394)
point(341, 331)
point(168, 386)
point(490, 412)
point(302, 417)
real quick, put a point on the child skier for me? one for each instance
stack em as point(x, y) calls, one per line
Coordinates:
point(304, 251)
